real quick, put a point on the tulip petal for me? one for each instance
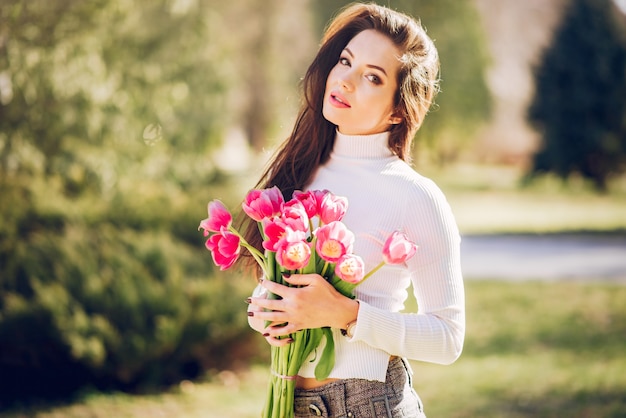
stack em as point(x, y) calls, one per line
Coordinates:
point(398, 248)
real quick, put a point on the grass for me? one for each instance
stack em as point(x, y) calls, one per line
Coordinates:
point(488, 199)
point(533, 350)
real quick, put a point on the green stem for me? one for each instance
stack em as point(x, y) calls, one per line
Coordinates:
point(258, 256)
point(372, 271)
point(324, 269)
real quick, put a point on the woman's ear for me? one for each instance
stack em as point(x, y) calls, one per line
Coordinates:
point(395, 120)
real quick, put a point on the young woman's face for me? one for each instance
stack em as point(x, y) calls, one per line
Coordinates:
point(361, 87)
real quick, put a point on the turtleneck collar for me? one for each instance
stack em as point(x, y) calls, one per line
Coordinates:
point(372, 146)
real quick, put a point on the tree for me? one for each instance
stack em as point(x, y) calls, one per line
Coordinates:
point(579, 105)
point(108, 111)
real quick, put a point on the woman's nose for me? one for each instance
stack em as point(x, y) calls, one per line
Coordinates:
point(346, 82)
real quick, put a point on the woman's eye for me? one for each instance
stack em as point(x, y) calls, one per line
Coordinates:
point(344, 61)
point(374, 79)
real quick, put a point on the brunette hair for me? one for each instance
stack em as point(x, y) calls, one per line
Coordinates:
point(312, 139)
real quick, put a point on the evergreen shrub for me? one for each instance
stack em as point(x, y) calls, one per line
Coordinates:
point(112, 298)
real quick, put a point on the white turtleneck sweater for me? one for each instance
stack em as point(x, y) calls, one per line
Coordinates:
point(385, 194)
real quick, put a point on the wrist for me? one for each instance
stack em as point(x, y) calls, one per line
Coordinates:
point(348, 315)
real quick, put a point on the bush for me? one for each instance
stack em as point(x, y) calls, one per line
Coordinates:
point(91, 301)
point(109, 112)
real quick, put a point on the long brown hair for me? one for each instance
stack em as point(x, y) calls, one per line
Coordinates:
point(312, 139)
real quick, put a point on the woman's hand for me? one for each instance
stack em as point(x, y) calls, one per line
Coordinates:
point(256, 323)
point(313, 304)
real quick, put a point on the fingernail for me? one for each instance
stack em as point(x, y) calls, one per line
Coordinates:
point(250, 313)
point(287, 275)
point(267, 334)
point(248, 300)
point(289, 340)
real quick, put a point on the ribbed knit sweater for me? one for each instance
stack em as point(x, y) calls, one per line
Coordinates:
point(385, 194)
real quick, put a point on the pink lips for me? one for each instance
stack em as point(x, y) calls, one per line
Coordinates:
point(338, 100)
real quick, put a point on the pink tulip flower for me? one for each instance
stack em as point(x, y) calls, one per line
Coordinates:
point(334, 241)
point(398, 248)
point(293, 251)
point(274, 230)
point(224, 248)
point(311, 200)
point(350, 268)
point(219, 217)
point(261, 204)
point(333, 208)
point(295, 215)
point(319, 198)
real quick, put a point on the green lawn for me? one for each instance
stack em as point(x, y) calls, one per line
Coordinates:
point(535, 350)
point(488, 199)
point(532, 350)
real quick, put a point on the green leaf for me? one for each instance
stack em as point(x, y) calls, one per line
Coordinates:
point(314, 340)
point(327, 361)
point(343, 287)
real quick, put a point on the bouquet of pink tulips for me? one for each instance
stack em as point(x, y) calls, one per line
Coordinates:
point(303, 235)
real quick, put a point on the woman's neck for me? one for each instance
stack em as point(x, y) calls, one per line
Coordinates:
point(373, 146)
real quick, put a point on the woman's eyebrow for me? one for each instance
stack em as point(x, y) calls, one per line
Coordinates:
point(376, 67)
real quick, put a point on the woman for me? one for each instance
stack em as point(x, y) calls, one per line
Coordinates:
point(366, 95)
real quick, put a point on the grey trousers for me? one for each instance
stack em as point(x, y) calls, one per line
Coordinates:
point(359, 398)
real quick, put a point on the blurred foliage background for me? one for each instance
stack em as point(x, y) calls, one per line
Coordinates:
point(120, 120)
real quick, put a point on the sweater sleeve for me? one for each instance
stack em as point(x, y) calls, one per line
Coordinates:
point(435, 333)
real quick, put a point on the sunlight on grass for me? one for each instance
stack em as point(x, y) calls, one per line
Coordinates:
point(225, 394)
point(489, 199)
point(535, 349)
point(532, 350)
point(528, 212)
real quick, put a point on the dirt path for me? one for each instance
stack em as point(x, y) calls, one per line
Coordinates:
point(545, 257)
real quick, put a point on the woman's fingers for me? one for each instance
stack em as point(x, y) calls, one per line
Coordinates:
point(275, 288)
point(264, 303)
point(267, 317)
point(303, 279)
point(295, 306)
point(278, 342)
point(275, 323)
point(280, 329)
